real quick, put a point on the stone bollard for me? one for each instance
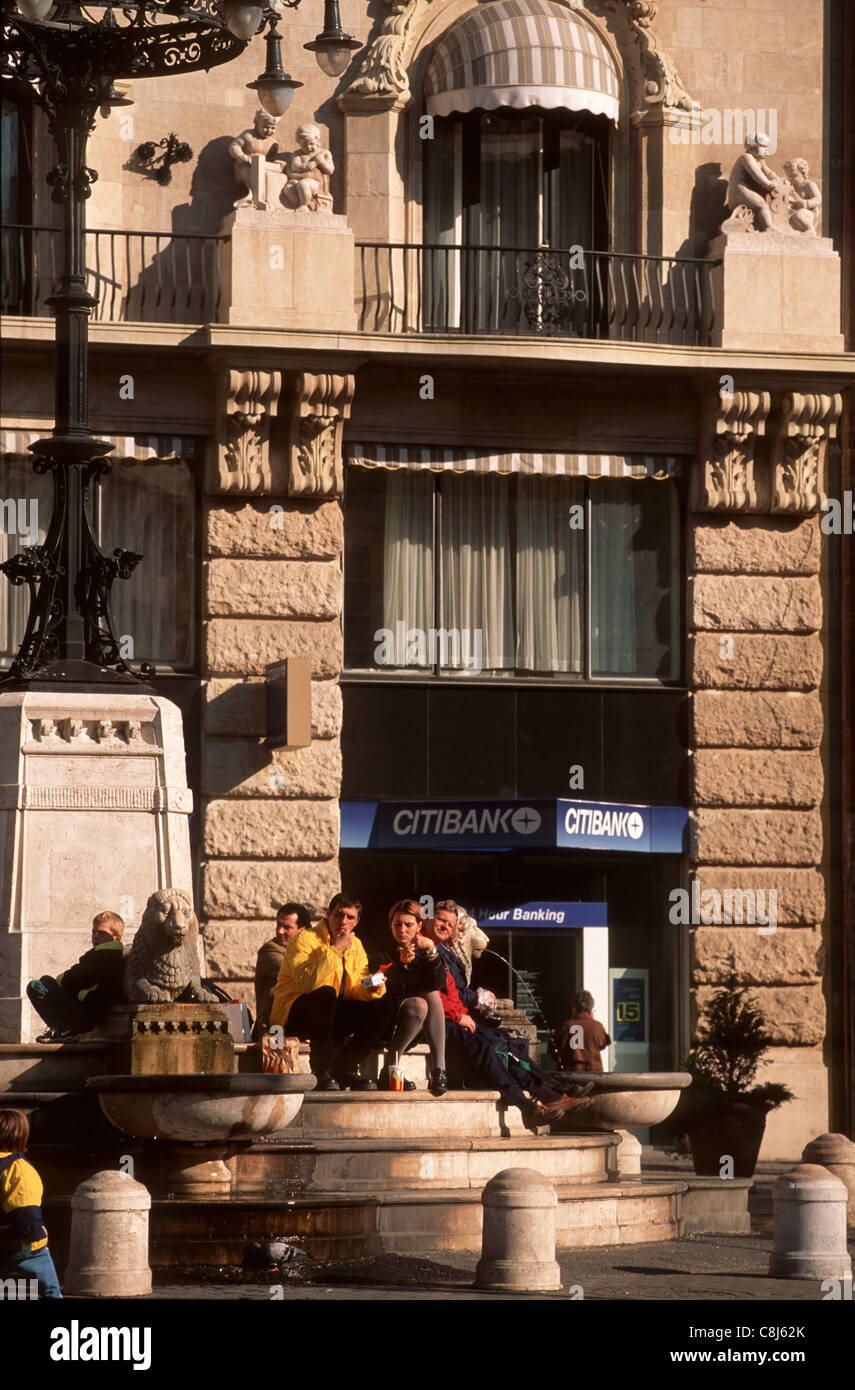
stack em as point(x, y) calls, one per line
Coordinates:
point(628, 1157)
point(836, 1153)
point(810, 1226)
point(108, 1250)
point(518, 1243)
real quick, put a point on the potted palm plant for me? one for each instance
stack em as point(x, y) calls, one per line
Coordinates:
point(722, 1113)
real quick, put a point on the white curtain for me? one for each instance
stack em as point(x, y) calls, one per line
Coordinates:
point(550, 575)
point(476, 565)
point(635, 579)
point(408, 570)
point(150, 508)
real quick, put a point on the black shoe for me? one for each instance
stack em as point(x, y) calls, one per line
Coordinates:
point(438, 1084)
point(66, 1037)
point(50, 1035)
point(352, 1081)
point(326, 1082)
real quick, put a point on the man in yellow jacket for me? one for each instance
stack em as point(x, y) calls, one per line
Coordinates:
point(324, 993)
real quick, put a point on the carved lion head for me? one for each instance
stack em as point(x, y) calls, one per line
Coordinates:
point(170, 913)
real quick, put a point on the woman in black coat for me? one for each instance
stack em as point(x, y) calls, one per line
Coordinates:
point(416, 978)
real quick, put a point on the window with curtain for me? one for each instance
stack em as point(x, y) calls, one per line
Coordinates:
point(459, 574)
point(506, 195)
point(146, 507)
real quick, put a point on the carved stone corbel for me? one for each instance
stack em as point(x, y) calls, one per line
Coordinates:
point(382, 75)
point(319, 404)
point(656, 83)
point(799, 448)
point(730, 428)
point(239, 460)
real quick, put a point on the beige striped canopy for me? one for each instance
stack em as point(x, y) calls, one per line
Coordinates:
point(521, 53)
point(438, 459)
point(128, 448)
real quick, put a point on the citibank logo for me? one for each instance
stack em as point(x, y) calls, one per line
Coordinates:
point(451, 820)
point(588, 820)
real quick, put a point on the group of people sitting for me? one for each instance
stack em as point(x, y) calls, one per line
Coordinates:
point(314, 980)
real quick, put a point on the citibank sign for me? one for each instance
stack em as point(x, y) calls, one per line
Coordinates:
point(593, 825)
point(454, 820)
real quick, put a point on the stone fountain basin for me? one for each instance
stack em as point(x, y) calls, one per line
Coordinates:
point(201, 1109)
point(624, 1099)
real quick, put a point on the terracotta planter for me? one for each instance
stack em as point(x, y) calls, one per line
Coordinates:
point(737, 1130)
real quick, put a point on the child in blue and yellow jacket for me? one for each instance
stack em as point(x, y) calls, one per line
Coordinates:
point(23, 1238)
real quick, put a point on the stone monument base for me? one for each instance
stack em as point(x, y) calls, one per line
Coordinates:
point(778, 292)
point(94, 812)
point(288, 268)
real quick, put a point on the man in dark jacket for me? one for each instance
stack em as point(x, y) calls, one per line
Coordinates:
point(291, 919)
point(78, 999)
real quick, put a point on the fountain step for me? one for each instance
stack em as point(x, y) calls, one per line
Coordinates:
point(406, 1115)
point(333, 1225)
point(371, 1165)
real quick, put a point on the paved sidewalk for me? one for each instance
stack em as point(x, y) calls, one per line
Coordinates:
point(696, 1268)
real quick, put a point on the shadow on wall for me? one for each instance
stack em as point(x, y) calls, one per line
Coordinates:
point(707, 209)
point(213, 190)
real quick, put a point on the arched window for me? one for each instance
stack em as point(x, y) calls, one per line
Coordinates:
point(523, 94)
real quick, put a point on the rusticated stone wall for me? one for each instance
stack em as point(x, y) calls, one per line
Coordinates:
point(755, 612)
point(272, 589)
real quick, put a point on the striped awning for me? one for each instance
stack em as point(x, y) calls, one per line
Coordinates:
point(440, 460)
point(521, 53)
point(129, 448)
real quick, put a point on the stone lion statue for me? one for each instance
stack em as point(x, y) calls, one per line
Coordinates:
point(163, 967)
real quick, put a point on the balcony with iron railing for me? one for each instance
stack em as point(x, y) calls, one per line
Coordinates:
point(164, 277)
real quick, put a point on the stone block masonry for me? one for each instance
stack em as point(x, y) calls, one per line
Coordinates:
point(755, 666)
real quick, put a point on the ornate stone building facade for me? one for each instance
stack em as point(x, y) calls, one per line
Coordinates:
point(511, 297)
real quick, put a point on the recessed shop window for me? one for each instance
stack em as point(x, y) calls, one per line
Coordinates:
point(147, 507)
point(461, 575)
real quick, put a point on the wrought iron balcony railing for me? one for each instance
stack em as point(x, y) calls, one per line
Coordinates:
point(138, 277)
point(535, 291)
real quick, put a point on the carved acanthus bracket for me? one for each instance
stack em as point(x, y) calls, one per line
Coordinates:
point(656, 83)
point(382, 77)
point(240, 453)
point(730, 428)
point(799, 449)
point(319, 405)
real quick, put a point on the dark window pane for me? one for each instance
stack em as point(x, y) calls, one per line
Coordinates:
point(644, 739)
point(472, 743)
point(556, 730)
point(384, 741)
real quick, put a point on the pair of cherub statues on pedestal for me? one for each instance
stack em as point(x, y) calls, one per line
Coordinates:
point(758, 199)
point(274, 177)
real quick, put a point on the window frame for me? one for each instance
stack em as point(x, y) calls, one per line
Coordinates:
point(574, 680)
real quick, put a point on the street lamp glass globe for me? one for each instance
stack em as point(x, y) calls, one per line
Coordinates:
point(276, 99)
point(334, 59)
point(242, 19)
point(35, 9)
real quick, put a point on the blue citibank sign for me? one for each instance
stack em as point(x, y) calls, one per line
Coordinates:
point(507, 825)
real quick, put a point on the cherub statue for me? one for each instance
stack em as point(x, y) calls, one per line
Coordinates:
point(309, 170)
point(805, 199)
point(255, 152)
point(750, 180)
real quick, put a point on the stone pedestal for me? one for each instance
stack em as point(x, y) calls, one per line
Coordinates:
point(836, 1153)
point(810, 1226)
point(288, 269)
point(172, 1039)
point(777, 292)
point(93, 816)
point(628, 1157)
point(108, 1253)
point(518, 1246)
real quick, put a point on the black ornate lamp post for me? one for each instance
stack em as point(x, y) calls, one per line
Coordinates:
point(70, 55)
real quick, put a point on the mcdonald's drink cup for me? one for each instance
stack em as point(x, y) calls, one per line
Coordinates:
point(396, 1078)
